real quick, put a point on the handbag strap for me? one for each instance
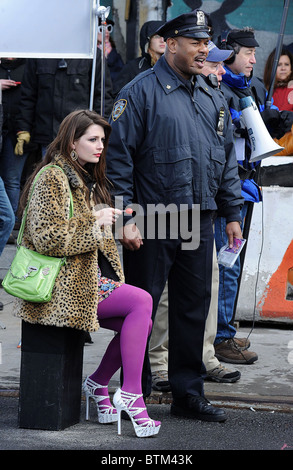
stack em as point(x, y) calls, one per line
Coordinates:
point(21, 230)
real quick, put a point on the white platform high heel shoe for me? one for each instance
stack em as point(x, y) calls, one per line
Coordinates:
point(106, 413)
point(143, 427)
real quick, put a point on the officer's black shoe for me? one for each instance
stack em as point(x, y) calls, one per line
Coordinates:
point(197, 407)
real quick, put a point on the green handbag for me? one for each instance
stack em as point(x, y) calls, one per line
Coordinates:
point(32, 276)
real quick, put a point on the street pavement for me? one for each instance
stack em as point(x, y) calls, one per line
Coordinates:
point(259, 406)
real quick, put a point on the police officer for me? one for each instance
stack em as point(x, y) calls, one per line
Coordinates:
point(171, 144)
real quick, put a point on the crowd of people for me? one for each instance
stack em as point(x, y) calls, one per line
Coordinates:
point(167, 139)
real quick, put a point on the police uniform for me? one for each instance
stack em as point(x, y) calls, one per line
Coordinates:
point(171, 144)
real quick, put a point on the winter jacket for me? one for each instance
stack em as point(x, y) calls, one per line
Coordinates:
point(165, 146)
point(235, 87)
point(139, 64)
point(49, 93)
point(12, 70)
point(49, 231)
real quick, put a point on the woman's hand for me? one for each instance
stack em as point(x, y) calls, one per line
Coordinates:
point(107, 215)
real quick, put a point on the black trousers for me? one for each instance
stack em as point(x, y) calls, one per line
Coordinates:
point(189, 275)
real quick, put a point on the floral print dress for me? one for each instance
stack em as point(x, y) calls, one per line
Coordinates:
point(106, 286)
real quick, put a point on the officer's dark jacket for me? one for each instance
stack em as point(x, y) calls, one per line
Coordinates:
point(50, 93)
point(164, 147)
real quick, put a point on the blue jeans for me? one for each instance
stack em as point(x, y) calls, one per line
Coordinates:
point(7, 218)
point(228, 284)
point(11, 167)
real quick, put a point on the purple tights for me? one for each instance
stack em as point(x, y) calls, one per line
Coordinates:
point(127, 311)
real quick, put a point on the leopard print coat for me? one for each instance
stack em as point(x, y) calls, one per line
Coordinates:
point(49, 231)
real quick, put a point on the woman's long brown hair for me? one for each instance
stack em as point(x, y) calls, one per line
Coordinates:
point(269, 66)
point(71, 129)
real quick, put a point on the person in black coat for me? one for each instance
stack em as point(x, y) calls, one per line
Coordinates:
point(7, 217)
point(51, 89)
point(114, 59)
point(152, 47)
point(11, 165)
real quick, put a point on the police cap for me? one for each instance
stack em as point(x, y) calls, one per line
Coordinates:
point(189, 25)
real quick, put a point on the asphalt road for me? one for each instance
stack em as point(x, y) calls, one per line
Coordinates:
point(245, 429)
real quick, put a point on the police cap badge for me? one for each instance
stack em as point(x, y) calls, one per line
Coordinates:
point(190, 25)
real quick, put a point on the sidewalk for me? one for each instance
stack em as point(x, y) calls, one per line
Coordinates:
point(266, 384)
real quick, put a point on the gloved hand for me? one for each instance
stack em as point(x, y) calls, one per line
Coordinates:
point(271, 117)
point(239, 128)
point(241, 133)
point(22, 137)
point(286, 122)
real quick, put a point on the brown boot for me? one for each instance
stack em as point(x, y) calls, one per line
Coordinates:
point(228, 351)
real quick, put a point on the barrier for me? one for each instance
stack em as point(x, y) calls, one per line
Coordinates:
point(266, 287)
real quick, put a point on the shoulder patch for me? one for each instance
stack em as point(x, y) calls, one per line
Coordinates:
point(118, 108)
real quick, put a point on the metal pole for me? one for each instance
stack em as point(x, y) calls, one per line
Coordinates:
point(96, 23)
point(277, 53)
point(103, 62)
point(100, 12)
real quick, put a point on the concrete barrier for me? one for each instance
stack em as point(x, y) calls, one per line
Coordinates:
point(267, 279)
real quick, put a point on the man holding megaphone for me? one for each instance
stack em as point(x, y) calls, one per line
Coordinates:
point(238, 83)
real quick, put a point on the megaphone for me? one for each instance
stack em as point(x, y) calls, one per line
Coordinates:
point(262, 144)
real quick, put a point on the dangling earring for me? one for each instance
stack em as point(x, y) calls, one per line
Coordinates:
point(74, 155)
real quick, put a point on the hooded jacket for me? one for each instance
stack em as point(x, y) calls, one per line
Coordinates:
point(142, 63)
